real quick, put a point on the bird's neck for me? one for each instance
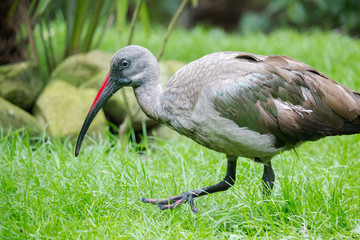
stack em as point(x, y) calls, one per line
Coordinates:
point(148, 97)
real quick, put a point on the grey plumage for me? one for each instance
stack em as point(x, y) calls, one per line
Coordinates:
point(236, 103)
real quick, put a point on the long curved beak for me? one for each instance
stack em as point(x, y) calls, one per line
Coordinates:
point(108, 88)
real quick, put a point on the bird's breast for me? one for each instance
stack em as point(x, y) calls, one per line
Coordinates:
point(207, 127)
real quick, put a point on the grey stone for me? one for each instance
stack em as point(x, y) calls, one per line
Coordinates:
point(12, 118)
point(164, 132)
point(168, 68)
point(79, 68)
point(63, 108)
point(173, 66)
point(20, 84)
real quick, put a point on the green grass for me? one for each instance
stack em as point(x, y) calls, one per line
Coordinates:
point(48, 193)
point(45, 192)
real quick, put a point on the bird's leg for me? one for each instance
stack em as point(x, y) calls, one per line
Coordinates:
point(268, 179)
point(188, 197)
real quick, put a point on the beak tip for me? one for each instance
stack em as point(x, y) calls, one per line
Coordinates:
point(77, 150)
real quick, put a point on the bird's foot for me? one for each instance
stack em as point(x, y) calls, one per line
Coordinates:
point(175, 201)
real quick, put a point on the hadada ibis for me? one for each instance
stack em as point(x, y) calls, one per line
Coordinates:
point(236, 103)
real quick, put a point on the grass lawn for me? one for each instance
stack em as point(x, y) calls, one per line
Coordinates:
point(45, 192)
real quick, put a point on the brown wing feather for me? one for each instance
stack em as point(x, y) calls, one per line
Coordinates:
point(294, 101)
point(342, 100)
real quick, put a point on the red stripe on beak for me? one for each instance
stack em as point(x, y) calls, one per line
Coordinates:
point(100, 90)
point(107, 89)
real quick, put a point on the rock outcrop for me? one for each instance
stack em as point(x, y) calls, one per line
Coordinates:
point(12, 118)
point(62, 108)
point(79, 68)
point(20, 84)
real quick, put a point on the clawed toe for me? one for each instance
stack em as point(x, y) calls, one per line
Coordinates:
point(153, 201)
point(173, 202)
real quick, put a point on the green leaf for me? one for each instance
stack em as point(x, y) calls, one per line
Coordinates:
point(13, 7)
point(144, 18)
point(94, 22)
point(81, 11)
point(194, 3)
point(107, 14)
point(70, 19)
point(41, 7)
point(121, 12)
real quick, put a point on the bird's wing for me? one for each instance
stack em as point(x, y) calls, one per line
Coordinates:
point(286, 98)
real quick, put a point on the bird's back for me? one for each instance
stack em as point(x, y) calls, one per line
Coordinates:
point(277, 100)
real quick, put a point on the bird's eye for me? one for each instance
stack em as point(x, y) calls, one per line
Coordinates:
point(124, 63)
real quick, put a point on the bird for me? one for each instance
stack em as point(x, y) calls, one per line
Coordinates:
point(236, 103)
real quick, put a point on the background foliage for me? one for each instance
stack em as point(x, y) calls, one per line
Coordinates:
point(87, 21)
point(340, 15)
point(47, 193)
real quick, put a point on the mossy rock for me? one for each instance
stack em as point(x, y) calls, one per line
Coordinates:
point(164, 132)
point(63, 108)
point(20, 84)
point(168, 68)
point(12, 118)
point(173, 66)
point(100, 58)
point(79, 68)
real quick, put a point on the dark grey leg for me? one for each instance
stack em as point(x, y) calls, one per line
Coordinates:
point(268, 179)
point(189, 197)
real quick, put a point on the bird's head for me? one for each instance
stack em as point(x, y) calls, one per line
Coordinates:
point(131, 66)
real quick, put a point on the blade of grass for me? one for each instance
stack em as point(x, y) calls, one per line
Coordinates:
point(171, 26)
point(107, 25)
point(41, 8)
point(94, 20)
point(144, 19)
point(48, 61)
point(121, 13)
point(107, 12)
point(70, 19)
point(133, 21)
point(51, 47)
point(29, 30)
point(13, 8)
point(81, 11)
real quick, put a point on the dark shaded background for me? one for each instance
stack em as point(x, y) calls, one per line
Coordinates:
point(244, 16)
